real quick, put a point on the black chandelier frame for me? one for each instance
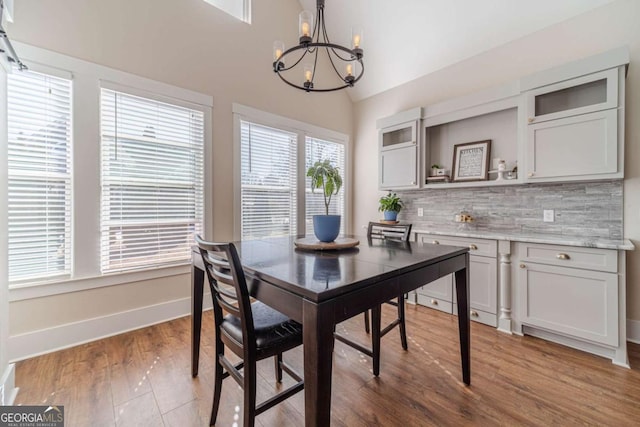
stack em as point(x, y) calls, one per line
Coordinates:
point(312, 45)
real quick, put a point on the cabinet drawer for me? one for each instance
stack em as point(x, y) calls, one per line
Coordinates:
point(579, 303)
point(435, 303)
point(568, 256)
point(480, 316)
point(480, 247)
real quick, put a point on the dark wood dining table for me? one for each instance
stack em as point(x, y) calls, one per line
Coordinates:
point(320, 289)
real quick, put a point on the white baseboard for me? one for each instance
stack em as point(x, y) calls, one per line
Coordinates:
point(633, 331)
point(8, 390)
point(56, 338)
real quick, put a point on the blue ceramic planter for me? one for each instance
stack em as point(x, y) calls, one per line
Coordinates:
point(326, 227)
point(390, 215)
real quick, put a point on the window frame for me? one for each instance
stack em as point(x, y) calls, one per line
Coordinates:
point(87, 80)
point(302, 130)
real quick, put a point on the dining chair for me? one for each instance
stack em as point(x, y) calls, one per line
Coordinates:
point(400, 233)
point(253, 331)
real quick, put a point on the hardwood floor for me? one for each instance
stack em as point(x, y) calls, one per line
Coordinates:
point(142, 378)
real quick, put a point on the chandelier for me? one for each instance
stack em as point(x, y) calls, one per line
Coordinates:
point(315, 42)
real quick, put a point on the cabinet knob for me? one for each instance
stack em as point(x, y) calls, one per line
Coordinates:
point(413, 183)
point(473, 247)
point(434, 302)
point(435, 242)
point(563, 256)
point(523, 266)
point(473, 313)
point(531, 174)
point(531, 120)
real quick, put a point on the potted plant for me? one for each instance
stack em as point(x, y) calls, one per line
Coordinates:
point(326, 177)
point(390, 205)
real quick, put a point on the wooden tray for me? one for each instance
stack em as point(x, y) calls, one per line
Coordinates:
point(313, 244)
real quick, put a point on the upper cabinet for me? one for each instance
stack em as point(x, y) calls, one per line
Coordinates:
point(557, 125)
point(399, 150)
point(575, 128)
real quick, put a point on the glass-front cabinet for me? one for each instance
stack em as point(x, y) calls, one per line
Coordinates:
point(573, 128)
point(399, 151)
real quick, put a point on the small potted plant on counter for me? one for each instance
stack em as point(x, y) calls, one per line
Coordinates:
point(326, 177)
point(390, 205)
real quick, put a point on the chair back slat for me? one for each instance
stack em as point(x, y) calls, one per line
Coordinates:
point(399, 232)
point(228, 285)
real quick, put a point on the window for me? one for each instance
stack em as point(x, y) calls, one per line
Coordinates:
point(152, 181)
point(39, 172)
point(318, 150)
point(268, 181)
point(274, 153)
point(240, 9)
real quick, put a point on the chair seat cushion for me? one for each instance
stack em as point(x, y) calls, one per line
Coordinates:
point(273, 329)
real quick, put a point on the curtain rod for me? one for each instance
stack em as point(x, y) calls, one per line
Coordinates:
point(12, 56)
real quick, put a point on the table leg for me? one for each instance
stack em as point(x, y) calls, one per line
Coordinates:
point(462, 293)
point(375, 338)
point(318, 325)
point(197, 289)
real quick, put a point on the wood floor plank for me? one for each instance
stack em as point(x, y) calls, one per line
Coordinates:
point(143, 378)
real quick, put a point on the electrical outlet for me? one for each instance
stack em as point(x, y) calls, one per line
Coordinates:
point(548, 215)
point(420, 212)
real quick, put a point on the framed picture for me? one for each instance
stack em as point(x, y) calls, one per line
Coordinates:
point(471, 161)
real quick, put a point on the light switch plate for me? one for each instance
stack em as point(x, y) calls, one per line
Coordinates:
point(420, 212)
point(548, 215)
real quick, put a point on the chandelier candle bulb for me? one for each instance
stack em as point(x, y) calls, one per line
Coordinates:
point(356, 37)
point(306, 20)
point(278, 49)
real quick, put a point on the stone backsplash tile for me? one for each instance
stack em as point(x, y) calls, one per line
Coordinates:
point(583, 209)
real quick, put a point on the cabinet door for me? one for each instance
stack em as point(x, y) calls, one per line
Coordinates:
point(399, 168)
point(440, 289)
point(595, 92)
point(570, 301)
point(399, 135)
point(578, 147)
point(483, 284)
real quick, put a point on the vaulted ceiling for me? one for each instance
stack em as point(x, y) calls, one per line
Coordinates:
point(406, 39)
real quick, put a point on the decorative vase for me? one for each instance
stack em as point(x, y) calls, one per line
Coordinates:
point(390, 215)
point(326, 227)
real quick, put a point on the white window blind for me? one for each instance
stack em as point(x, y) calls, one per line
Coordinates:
point(320, 150)
point(152, 181)
point(268, 181)
point(39, 172)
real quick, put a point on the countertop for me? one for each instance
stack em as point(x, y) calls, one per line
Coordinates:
point(587, 242)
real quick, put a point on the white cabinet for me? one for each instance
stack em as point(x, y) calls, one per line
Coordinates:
point(575, 128)
point(483, 280)
point(399, 151)
point(574, 296)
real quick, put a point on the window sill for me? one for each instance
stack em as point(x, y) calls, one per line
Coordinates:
point(26, 291)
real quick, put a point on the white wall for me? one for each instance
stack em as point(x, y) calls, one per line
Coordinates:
point(608, 27)
point(189, 44)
